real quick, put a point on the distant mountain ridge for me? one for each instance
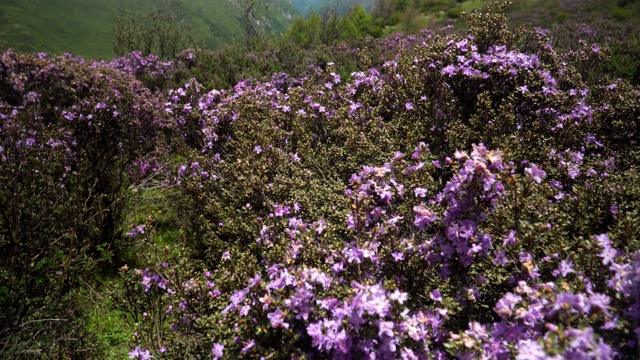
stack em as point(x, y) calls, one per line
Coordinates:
point(85, 27)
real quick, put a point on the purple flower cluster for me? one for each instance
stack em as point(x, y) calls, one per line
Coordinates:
point(137, 64)
point(140, 354)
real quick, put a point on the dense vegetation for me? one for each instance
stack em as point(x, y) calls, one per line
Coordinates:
point(439, 195)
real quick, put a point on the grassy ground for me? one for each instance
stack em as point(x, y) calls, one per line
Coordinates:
point(112, 332)
point(105, 320)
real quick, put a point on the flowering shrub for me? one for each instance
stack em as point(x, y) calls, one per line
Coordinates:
point(497, 219)
point(69, 134)
point(150, 70)
point(412, 276)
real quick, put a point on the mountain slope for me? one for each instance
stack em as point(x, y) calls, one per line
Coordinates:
point(305, 7)
point(85, 27)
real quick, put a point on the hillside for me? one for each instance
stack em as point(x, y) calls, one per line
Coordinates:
point(85, 27)
point(304, 7)
point(547, 14)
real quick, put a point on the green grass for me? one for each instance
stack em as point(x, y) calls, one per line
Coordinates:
point(112, 333)
point(474, 5)
point(155, 207)
point(85, 27)
point(105, 322)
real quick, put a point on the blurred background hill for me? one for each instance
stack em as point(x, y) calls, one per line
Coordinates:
point(85, 27)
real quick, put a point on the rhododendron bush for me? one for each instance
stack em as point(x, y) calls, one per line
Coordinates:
point(471, 197)
point(73, 137)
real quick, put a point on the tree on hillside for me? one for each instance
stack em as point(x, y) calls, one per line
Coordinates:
point(155, 33)
point(249, 21)
point(327, 26)
point(330, 23)
point(323, 27)
point(356, 23)
point(383, 8)
point(305, 32)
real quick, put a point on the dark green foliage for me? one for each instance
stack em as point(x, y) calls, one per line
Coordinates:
point(327, 27)
point(306, 32)
point(621, 14)
point(454, 12)
point(156, 33)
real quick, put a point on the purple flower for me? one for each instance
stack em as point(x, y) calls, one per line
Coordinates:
point(435, 295)
point(385, 328)
point(420, 192)
point(399, 296)
point(277, 319)
point(602, 240)
point(140, 354)
point(510, 238)
point(137, 231)
point(535, 174)
point(608, 255)
point(506, 305)
point(397, 255)
point(530, 349)
point(573, 171)
point(337, 267)
point(244, 310)
point(281, 210)
point(569, 302)
point(408, 354)
point(565, 268)
point(217, 351)
point(248, 345)
point(580, 338)
point(500, 258)
point(424, 217)
point(353, 254)
point(449, 70)
point(599, 302)
point(238, 296)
